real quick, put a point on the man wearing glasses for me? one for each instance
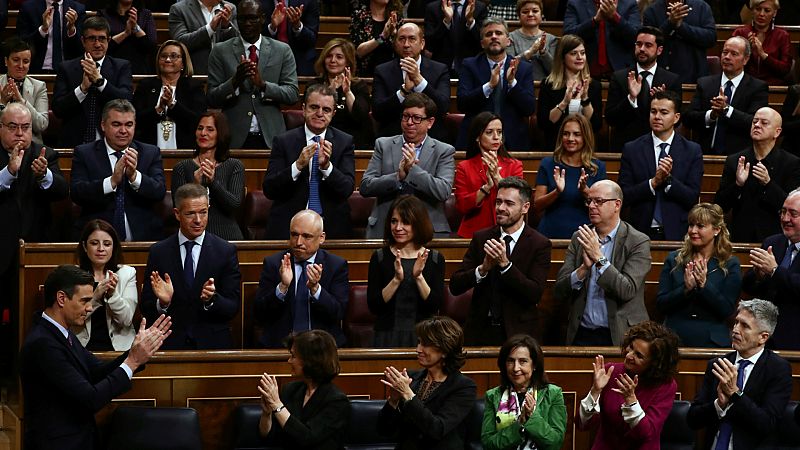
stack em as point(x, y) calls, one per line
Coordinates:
point(410, 163)
point(604, 270)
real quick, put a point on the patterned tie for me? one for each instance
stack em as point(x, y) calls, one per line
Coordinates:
point(283, 27)
point(657, 216)
point(90, 133)
point(188, 263)
point(789, 257)
point(119, 203)
point(722, 125)
point(314, 202)
point(57, 45)
point(301, 298)
point(725, 428)
point(253, 56)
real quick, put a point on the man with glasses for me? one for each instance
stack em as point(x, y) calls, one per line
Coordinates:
point(200, 24)
point(602, 278)
point(410, 163)
point(53, 28)
point(775, 275)
point(85, 84)
point(755, 181)
point(311, 167)
point(249, 78)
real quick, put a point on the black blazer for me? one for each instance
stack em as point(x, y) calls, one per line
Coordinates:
point(64, 386)
point(303, 44)
point(30, 19)
point(638, 166)
point(520, 287)
point(437, 423)
point(791, 124)
point(751, 95)
point(291, 196)
point(119, 84)
point(190, 104)
point(327, 313)
point(757, 413)
point(194, 326)
point(755, 207)
point(456, 43)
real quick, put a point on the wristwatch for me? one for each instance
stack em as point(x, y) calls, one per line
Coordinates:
point(736, 396)
point(279, 409)
point(99, 82)
point(601, 262)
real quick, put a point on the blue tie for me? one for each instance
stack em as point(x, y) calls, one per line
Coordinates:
point(119, 204)
point(725, 428)
point(787, 259)
point(188, 263)
point(722, 125)
point(657, 216)
point(301, 297)
point(314, 202)
point(57, 58)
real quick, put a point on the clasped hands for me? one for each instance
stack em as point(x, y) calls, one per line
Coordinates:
point(719, 105)
point(763, 261)
point(247, 70)
point(607, 10)
point(205, 173)
point(495, 256)
point(727, 374)
point(91, 73)
point(695, 273)
point(323, 157)
point(286, 272)
point(408, 160)
point(105, 288)
point(125, 166)
point(399, 384)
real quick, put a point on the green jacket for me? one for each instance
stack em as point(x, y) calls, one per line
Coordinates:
point(546, 426)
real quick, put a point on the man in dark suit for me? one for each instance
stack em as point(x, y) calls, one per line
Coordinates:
point(193, 276)
point(85, 84)
point(660, 174)
point(63, 383)
point(630, 90)
point(295, 22)
point(775, 275)
point(303, 288)
point(452, 28)
point(507, 266)
point(53, 30)
point(118, 179)
point(603, 275)
point(495, 81)
point(723, 105)
point(311, 167)
point(755, 181)
point(745, 393)
point(411, 72)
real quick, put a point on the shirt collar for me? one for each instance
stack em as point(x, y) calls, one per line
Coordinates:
point(109, 149)
point(515, 235)
point(652, 70)
point(198, 239)
point(492, 62)
point(58, 325)
point(419, 146)
point(613, 234)
point(310, 259)
point(247, 45)
point(657, 141)
point(753, 359)
point(736, 80)
point(310, 135)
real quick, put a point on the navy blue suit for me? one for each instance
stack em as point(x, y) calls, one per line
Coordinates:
point(756, 414)
point(620, 37)
point(327, 312)
point(638, 166)
point(450, 46)
point(304, 43)
point(291, 196)
point(90, 166)
point(30, 19)
point(518, 104)
point(64, 386)
point(194, 326)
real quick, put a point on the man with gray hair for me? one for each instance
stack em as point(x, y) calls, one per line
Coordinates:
point(118, 179)
point(744, 393)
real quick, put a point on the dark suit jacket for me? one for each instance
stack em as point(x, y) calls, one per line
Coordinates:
point(29, 21)
point(782, 289)
point(619, 37)
point(194, 327)
point(119, 84)
point(291, 196)
point(191, 102)
point(326, 313)
point(90, 166)
point(304, 43)
point(437, 423)
point(456, 43)
point(755, 207)
point(64, 386)
point(520, 287)
point(791, 123)
point(387, 108)
point(757, 413)
point(751, 95)
point(519, 102)
point(629, 123)
point(638, 166)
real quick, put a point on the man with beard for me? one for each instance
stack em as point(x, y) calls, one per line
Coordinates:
point(507, 266)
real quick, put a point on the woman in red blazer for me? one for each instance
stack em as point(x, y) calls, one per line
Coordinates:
point(476, 178)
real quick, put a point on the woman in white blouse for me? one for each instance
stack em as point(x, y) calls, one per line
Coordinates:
point(17, 86)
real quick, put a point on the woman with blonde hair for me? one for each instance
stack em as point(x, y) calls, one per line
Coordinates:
point(700, 282)
point(770, 46)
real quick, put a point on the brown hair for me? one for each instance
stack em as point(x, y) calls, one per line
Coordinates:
point(445, 334)
point(538, 377)
point(412, 211)
point(587, 152)
point(223, 150)
point(566, 44)
point(317, 350)
point(476, 128)
point(664, 357)
point(521, 4)
point(116, 252)
point(348, 49)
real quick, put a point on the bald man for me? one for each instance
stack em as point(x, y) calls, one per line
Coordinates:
point(304, 287)
point(755, 181)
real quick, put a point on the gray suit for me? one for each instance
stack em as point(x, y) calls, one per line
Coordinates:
point(187, 25)
point(430, 180)
point(622, 283)
point(34, 94)
point(277, 67)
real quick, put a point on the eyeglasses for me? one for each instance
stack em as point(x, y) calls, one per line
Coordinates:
point(13, 127)
point(598, 201)
point(414, 118)
point(172, 56)
point(794, 214)
point(101, 39)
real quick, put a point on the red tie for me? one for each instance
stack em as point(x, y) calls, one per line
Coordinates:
point(602, 58)
point(283, 28)
point(253, 54)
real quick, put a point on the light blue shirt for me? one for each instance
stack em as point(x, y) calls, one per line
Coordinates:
point(596, 313)
point(297, 268)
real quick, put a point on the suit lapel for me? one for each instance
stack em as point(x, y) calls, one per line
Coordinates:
point(203, 270)
point(56, 334)
point(754, 380)
point(103, 162)
point(426, 153)
point(619, 244)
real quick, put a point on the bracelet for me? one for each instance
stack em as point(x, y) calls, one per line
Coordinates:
point(563, 111)
point(586, 102)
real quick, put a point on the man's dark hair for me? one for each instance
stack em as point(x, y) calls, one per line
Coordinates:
point(97, 23)
point(419, 100)
point(672, 96)
point(519, 184)
point(189, 191)
point(119, 105)
point(65, 278)
point(647, 29)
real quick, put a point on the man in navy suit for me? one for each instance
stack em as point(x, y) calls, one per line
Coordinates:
point(411, 72)
point(775, 275)
point(193, 276)
point(660, 174)
point(745, 393)
point(295, 22)
point(118, 179)
point(311, 167)
point(36, 23)
point(63, 383)
point(85, 84)
point(452, 28)
point(303, 288)
point(495, 81)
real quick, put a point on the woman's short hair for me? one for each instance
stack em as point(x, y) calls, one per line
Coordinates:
point(538, 376)
point(348, 49)
point(754, 3)
point(664, 356)
point(15, 45)
point(223, 150)
point(587, 152)
point(317, 350)
point(712, 215)
point(412, 211)
point(446, 335)
point(521, 4)
point(188, 69)
point(476, 129)
point(116, 252)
